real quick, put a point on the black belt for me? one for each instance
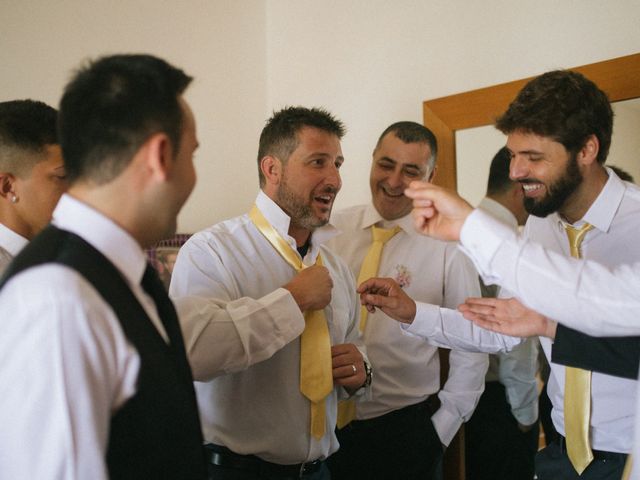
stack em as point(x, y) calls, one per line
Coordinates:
point(597, 454)
point(223, 457)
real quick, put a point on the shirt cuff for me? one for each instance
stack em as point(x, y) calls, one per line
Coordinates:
point(425, 322)
point(446, 424)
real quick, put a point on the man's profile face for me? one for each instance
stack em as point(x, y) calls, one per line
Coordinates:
point(395, 165)
point(548, 173)
point(311, 178)
point(39, 191)
point(183, 175)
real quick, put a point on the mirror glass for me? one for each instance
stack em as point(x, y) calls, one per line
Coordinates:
point(475, 147)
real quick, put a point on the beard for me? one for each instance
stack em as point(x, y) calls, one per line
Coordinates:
point(558, 192)
point(298, 208)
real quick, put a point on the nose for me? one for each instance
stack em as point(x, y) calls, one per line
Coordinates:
point(333, 178)
point(395, 179)
point(518, 168)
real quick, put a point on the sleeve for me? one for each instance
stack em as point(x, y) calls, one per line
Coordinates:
point(465, 382)
point(517, 372)
point(589, 296)
point(68, 371)
point(444, 327)
point(617, 356)
point(223, 331)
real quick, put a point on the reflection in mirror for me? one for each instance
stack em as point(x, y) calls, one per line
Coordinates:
point(475, 147)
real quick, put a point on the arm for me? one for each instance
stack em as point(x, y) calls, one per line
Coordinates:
point(442, 327)
point(75, 369)
point(465, 381)
point(226, 332)
point(597, 300)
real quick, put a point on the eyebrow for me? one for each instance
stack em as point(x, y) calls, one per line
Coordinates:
point(405, 165)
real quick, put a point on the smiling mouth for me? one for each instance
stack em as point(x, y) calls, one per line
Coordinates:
point(392, 194)
point(532, 189)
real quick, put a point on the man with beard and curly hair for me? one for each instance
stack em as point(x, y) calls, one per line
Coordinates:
point(559, 132)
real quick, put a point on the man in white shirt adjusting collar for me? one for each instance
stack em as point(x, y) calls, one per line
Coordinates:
point(396, 434)
point(559, 131)
point(276, 418)
point(92, 358)
point(32, 174)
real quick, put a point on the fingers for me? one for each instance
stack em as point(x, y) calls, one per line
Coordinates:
point(348, 365)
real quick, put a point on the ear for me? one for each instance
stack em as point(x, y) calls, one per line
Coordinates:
point(158, 156)
point(271, 168)
point(588, 154)
point(431, 175)
point(7, 185)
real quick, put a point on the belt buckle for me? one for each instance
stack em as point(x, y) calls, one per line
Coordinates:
point(305, 466)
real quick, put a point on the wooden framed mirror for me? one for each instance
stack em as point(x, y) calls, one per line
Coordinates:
point(618, 77)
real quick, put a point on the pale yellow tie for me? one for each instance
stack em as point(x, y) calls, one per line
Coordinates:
point(316, 377)
point(577, 387)
point(369, 268)
point(626, 474)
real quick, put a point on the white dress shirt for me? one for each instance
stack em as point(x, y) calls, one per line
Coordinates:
point(615, 214)
point(406, 370)
point(596, 298)
point(65, 363)
point(517, 369)
point(10, 244)
point(260, 410)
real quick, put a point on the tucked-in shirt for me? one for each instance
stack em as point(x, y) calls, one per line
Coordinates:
point(10, 244)
point(260, 410)
point(406, 369)
point(517, 369)
point(615, 214)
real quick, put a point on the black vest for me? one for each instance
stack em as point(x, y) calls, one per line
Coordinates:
point(156, 433)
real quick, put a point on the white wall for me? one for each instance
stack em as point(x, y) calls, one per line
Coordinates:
point(374, 62)
point(220, 43)
point(371, 62)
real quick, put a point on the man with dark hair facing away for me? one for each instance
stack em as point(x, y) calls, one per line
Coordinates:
point(98, 384)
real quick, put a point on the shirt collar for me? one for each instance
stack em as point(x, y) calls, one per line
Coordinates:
point(280, 221)
point(11, 241)
point(604, 208)
point(372, 217)
point(102, 233)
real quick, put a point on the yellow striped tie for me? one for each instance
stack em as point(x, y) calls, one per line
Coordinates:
point(316, 376)
point(369, 268)
point(577, 387)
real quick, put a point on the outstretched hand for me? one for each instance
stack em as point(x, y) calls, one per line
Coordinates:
point(388, 296)
point(437, 212)
point(508, 316)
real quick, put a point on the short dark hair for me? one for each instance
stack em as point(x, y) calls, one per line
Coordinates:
point(565, 106)
point(412, 132)
point(111, 107)
point(25, 126)
point(279, 136)
point(499, 180)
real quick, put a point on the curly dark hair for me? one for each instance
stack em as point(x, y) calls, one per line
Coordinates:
point(565, 106)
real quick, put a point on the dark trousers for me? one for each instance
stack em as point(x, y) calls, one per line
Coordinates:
point(495, 448)
point(552, 463)
point(399, 445)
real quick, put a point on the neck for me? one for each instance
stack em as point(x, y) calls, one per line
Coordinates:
point(581, 200)
point(300, 234)
point(116, 203)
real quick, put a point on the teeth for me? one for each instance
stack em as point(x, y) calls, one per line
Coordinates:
point(528, 187)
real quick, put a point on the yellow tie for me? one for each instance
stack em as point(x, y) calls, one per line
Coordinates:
point(316, 377)
point(626, 474)
point(577, 387)
point(369, 268)
point(371, 261)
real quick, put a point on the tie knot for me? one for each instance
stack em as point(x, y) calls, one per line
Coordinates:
point(576, 235)
point(383, 235)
